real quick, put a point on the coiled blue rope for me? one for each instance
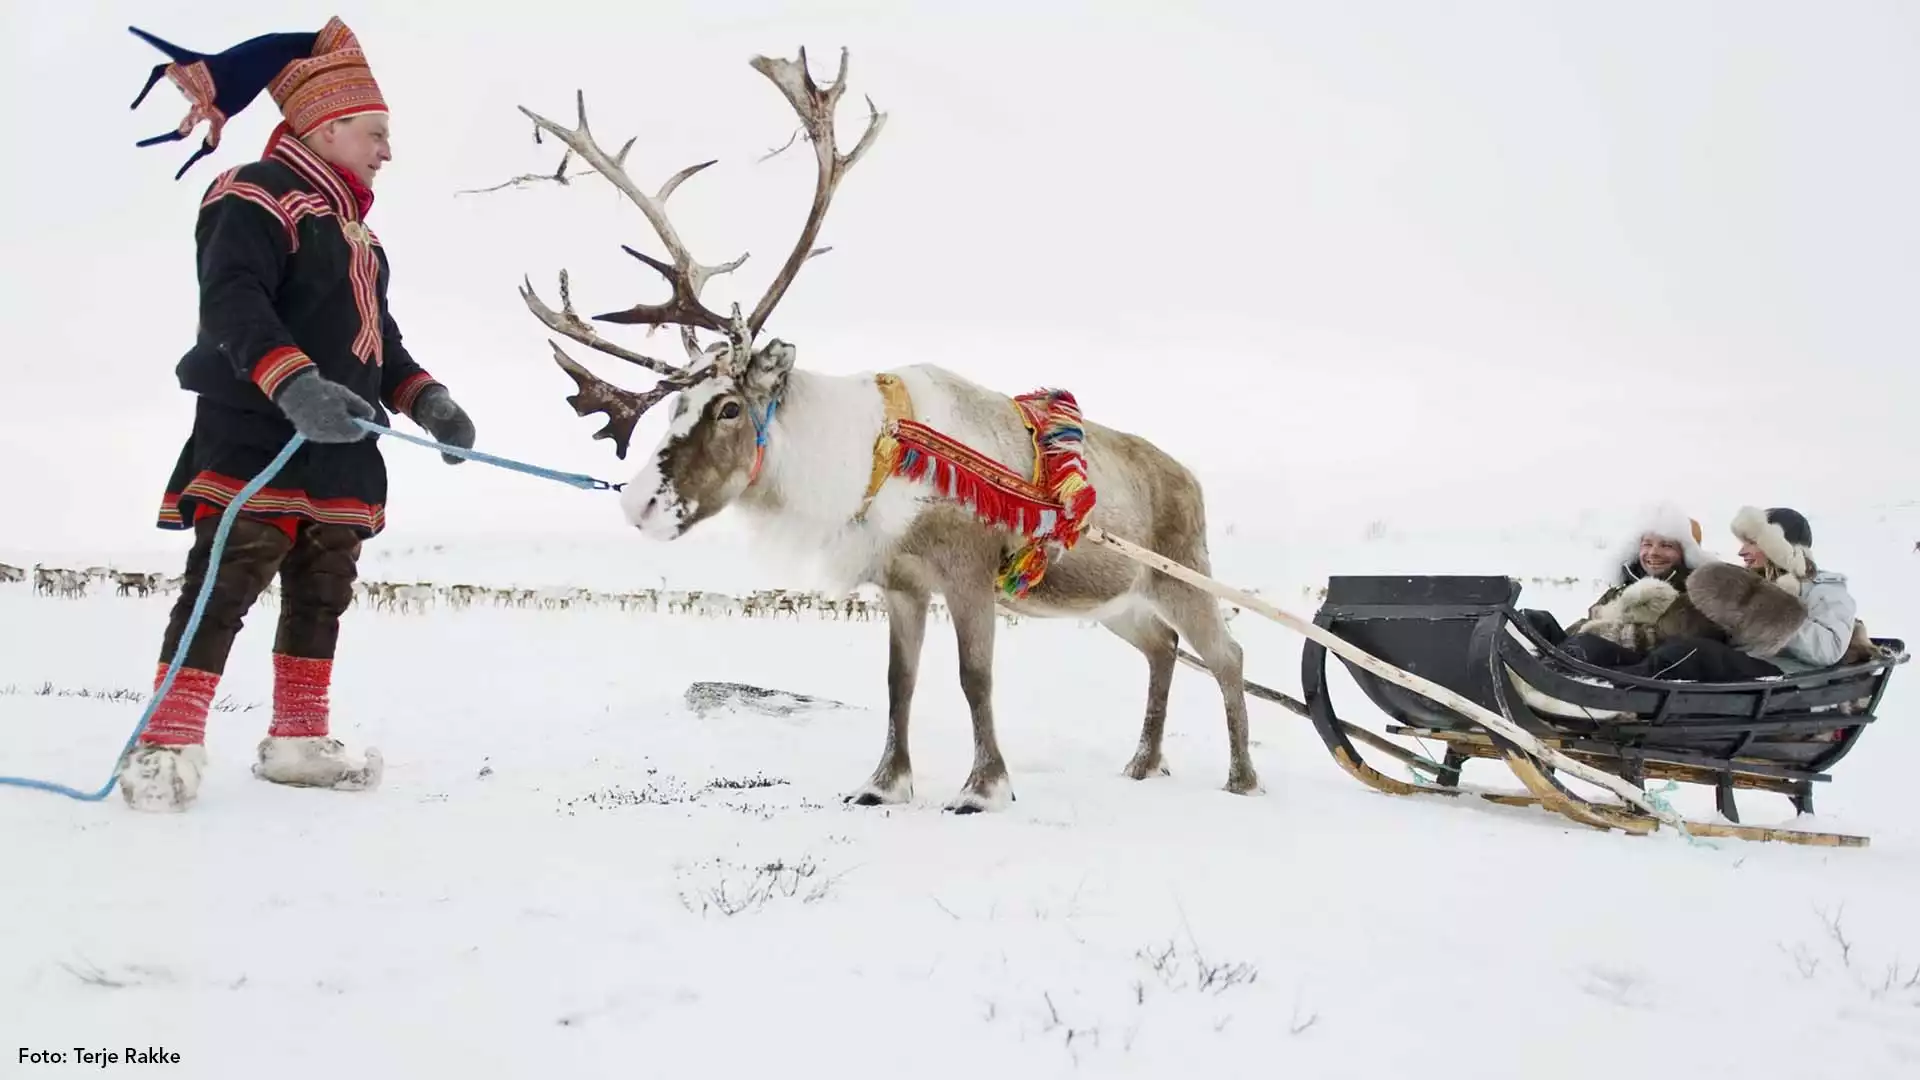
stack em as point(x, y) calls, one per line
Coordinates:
point(227, 517)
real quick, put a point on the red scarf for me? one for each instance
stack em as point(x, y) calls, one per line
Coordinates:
point(362, 194)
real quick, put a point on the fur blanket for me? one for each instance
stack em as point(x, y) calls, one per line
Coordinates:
point(1862, 649)
point(1757, 616)
point(1629, 615)
point(1684, 620)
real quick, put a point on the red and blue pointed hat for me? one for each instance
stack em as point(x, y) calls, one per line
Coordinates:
point(314, 77)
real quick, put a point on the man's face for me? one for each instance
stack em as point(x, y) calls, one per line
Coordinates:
point(358, 144)
point(1659, 554)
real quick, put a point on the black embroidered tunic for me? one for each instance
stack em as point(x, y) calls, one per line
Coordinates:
point(291, 279)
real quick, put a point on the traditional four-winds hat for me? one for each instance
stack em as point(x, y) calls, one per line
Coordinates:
point(313, 77)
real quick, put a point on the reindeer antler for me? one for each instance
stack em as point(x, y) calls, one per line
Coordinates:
point(815, 108)
point(623, 408)
point(685, 275)
point(566, 321)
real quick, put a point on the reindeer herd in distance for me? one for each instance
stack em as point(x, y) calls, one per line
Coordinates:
point(412, 598)
point(419, 596)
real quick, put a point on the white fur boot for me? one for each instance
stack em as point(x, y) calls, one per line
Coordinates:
point(316, 761)
point(162, 778)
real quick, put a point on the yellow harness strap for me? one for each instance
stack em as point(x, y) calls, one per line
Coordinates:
point(899, 406)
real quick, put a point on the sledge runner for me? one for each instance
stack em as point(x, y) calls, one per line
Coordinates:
point(295, 334)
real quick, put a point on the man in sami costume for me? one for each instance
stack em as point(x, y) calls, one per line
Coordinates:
point(294, 335)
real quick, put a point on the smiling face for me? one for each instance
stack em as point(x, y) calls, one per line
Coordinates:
point(1658, 554)
point(706, 458)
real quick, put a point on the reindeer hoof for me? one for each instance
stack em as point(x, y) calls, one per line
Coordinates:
point(882, 792)
point(982, 794)
point(1245, 783)
point(1145, 765)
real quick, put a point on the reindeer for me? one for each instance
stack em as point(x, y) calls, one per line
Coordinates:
point(799, 453)
point(54, 581)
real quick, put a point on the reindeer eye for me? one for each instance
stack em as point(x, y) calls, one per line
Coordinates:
point(730, 410)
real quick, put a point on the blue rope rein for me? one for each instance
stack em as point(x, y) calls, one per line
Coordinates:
point(227, 517)
point(579, 480)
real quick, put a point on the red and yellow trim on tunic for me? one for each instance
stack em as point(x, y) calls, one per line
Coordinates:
point(284, 148)
point(275, 368)
point(363, 267)
point(219, 491)
point(363, 272)
point(289, 209)
point(227, 186)
point(409, 392)
point(301, 205)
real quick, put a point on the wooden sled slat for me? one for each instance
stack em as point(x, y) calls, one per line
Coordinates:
point(1480, 746)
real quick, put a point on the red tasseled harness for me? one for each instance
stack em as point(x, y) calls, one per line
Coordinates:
point(1051, 507)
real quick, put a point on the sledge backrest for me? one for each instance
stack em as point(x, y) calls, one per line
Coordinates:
point(1423, 624)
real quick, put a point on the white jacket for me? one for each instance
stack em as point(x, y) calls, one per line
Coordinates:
point(1823, 639)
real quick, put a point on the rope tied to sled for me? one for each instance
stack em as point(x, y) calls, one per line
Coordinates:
point(1658, 797)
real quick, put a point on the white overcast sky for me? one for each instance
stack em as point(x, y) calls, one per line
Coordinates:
point(1507, 259)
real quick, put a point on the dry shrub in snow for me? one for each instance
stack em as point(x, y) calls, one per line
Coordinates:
point(1894, 981)
point(1191, 970)
point(721, 887)
point(116, 696)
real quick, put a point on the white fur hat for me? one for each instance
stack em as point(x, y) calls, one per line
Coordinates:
point(1668, 521)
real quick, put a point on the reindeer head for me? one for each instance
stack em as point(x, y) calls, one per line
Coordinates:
point(730, 390)
point(714, 446)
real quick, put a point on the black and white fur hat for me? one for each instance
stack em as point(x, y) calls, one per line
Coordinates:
point(1785, 538)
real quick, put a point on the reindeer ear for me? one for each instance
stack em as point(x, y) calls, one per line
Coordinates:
point(767, 371)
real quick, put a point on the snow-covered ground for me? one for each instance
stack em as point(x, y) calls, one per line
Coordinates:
point(571, 871)
point(1412, 287)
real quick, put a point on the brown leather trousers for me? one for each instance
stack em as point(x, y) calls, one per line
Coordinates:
point(317, 570)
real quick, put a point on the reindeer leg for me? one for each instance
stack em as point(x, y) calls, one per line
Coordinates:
point(892, 779)
point(1146, 632)
point(1197, 617)
point(970, 606)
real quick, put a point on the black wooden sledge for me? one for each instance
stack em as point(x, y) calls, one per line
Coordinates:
point(1465, 633)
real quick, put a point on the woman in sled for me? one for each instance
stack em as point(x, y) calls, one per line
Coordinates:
point(1777, 614)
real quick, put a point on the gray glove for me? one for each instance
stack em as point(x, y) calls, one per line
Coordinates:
point(445, 420)
point(322, 409)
